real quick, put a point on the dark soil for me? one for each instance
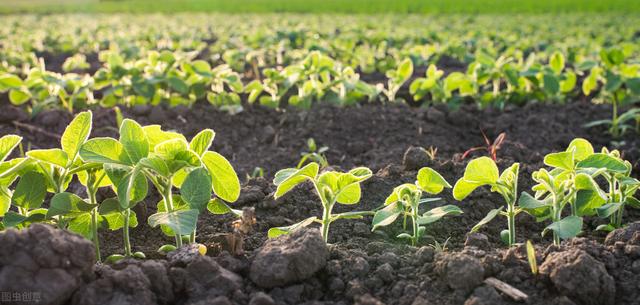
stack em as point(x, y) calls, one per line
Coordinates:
point(375, 268)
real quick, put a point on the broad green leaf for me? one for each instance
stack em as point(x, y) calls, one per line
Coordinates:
point(582, 149)
point(109, 206)
point(536, 208)
point(287, 179)
point(133, 140)
point(563, 160)
point(463, 188)
point(431, 181)
point(481, 171)
point(156, 164)
point(556, 62)
point(196, 189)
point(181, 222)
point(7, 144)
point(104, 150)
point(609, 208)
point(551, 84)
point(30, 191)
point(155, 135)
point(18, 97)
point(202, 141)
point(566, 228)
point(81, 225)
point(436, 214)
point(601, 160)
point(12, 219)
point(224, 179)
point(387, 216)
point(490, 216)
point(54, 156)
point(350, 215)
point(68, 204)
point(130, 185)
point(10, 81)
point(350, 194)
point(361, 173)
point(277, 231)
point(5, 204)
point(76, 134)
point(219, 207)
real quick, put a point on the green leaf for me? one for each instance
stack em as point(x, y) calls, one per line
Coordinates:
point(116, 221)
point(181, 222)
point(531, 257)
point(581, 148)
point(219, 207)
point(277, 231)
point(536, 208)
point(5, 204)
point(224, 179)
point(81, 225)
point(76, 134)
point(196, 189)
point(104, 150)
point(131, 186)
point(10, 81)
point(431, 181)
point(481, 171)
point(134, 140)
point(287, 179)
point(18, 97)
point(601, 160)
point(178, 84)
point(463, 188)
point(609, 208)
point(557, 62)
point(563, 160)
point(551, 84)
point(7, 144)
point(155, 135)
point(202, 141)
point(490, 216)
point(156, 164)
point(436, 214)
point(386, 216)
point(566, 228)
point(53, 156)
point(68, 204)
point(30, 191)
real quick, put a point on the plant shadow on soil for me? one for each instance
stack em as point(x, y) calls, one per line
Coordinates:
point(374, 136)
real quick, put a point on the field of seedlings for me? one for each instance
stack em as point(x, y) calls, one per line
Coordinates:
point(298, 154)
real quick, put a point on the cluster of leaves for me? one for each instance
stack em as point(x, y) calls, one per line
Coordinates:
point(126, 165)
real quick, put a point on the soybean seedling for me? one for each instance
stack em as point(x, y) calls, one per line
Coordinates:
point(484, 171)
point(331, 187)
point(405, 200)
point(314, 154)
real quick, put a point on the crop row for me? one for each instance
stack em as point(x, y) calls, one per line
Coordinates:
point(191, 180)
point(164, 77)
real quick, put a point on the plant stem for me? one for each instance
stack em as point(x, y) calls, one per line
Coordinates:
point(192, 237)
point(168, 201)
point(557, 214)
point(615, 132)
point(511, 223)
point(326, 221)
point(414, 218)
point(125, 233)
point(94, 216)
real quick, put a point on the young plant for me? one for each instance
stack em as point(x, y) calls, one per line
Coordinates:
point(621, 186)
point(406, 199)
point(167, 160)
point(569, 182)
point(490, 147)
point(314, 154)
point(484, 171)
point(331, 187)
point(397, 78)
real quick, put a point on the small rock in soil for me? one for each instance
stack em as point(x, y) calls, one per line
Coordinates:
point(478, 240)
point(368, 299)
point(183, 256)
point(415, 158)
point(289, 258)
point(204, 279)
point(461, 271)
point(424, 255)
point(10, 113)
point(261, 298)
point(484, 295)
point(580, 277)
point(623, 234)
point(52, 262)
point(117, 287)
